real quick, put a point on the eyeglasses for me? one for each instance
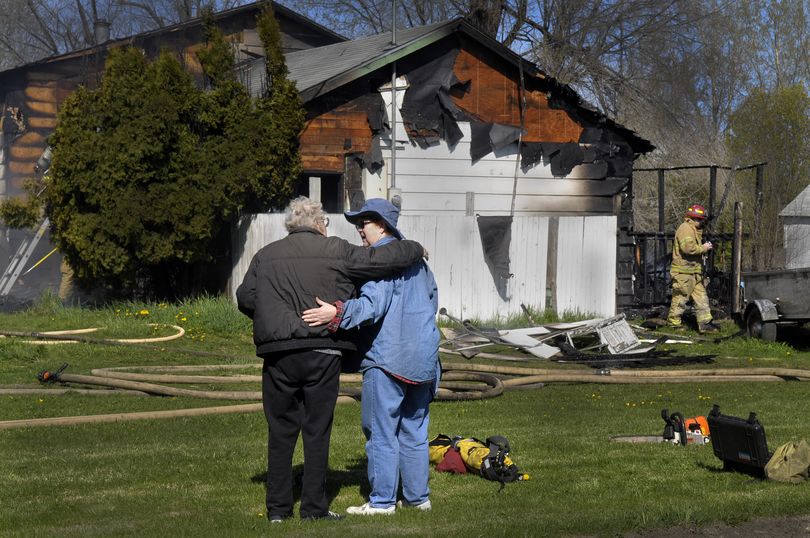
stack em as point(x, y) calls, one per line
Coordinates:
point(325, 221)
point(362, 224)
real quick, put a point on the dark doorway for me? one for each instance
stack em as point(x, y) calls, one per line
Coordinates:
point(327, 188)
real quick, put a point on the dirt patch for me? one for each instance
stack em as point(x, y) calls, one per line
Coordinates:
point(787, 527)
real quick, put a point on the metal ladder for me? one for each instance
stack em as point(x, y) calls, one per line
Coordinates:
point(20, 258)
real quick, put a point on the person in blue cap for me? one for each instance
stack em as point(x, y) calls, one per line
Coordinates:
point(397, 321)
point(301, 363)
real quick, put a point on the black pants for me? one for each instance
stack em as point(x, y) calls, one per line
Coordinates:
point(299, 391)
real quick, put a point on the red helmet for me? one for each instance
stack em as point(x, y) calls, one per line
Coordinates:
point(697, 211)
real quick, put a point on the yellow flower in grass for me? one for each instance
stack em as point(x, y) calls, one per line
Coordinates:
point(143, 312)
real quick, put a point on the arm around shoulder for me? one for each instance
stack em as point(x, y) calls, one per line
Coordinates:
point(382, 262)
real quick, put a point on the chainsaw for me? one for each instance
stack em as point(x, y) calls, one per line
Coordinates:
point(680, 431)
point(677, 431)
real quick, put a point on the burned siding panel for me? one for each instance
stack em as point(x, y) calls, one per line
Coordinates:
point(488, 204)
point(503, 185)
point(439, 178)
point(494, 97)
point(338, 125)
point(37, 104)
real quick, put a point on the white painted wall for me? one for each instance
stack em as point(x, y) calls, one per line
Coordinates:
point(586, 265)
point(586, 260)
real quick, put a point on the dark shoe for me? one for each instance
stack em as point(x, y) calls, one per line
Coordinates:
point(278, 518)
point(709, 328)
point(328, 516)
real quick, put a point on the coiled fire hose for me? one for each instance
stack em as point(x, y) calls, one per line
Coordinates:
point(460, 381)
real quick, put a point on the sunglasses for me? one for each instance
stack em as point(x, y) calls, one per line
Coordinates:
point(362, 224)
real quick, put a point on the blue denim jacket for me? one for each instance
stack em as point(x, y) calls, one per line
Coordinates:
point(397, 317)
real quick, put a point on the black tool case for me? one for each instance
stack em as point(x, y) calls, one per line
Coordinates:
point(739, 443)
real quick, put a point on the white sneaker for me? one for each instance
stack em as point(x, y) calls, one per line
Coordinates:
point(368, 510)
point(423, 506)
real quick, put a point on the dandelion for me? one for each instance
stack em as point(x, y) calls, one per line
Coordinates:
point(40, 400)
point(143, 312)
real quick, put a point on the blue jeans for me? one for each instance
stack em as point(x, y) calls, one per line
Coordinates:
point(395, 420)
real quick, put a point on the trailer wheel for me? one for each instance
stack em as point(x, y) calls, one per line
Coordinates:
point(757, 328)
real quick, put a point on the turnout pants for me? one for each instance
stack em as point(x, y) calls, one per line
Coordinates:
point(684, 287)
point(299, 391)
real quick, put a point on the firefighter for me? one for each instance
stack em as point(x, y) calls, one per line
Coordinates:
point(688, 251)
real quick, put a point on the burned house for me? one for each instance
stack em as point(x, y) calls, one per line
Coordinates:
point(519, 185)
point(521, 191)
point(31, 96)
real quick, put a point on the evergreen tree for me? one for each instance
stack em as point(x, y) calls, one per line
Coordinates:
point(149, 172)
point(280, 122)
point(118, 186)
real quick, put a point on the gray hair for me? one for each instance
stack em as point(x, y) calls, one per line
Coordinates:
point(302, 211)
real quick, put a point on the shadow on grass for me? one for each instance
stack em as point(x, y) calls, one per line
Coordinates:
point(353, 475)
point(722, 470)
point(796, 337)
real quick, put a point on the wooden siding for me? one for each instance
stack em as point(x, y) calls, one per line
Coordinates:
point(585, 276)
point(494, 97)
point(438, 179)
point(39, 101)
point(331, 132)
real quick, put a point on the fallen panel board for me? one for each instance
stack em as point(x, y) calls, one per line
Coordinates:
point(529, 344)
point(618, 336)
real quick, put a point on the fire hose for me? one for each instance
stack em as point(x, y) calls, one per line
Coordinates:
point(472, 381)
point(460, 381)
point(454, 386)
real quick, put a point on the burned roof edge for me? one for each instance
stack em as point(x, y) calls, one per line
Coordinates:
point(565, 92)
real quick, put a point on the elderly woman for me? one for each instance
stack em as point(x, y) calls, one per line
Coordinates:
point(397, 317)
point(300, 374)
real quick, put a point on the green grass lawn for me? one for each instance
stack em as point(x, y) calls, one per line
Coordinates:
point(204, 476)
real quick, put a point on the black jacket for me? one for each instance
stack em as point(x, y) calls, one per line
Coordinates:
point(285, 276)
